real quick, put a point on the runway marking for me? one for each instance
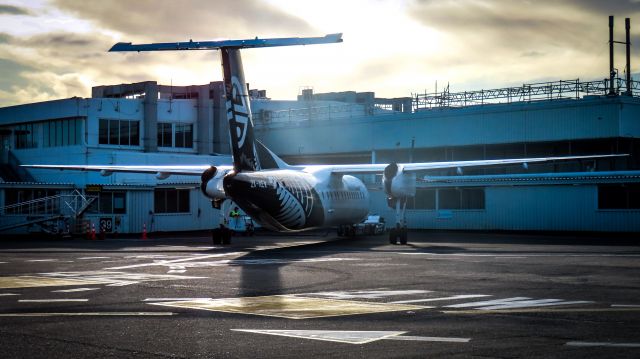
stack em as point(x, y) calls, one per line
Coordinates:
point(115, 279)
point(7, 294)
point(515, 302)
point(181, 264)
point(541, 310)
point(42, 260)
point(173, 299)
point(290, 306)
point(625, 305)
point(351, 336)
point(501, 255)
point(339, 336)
point(87, 258)
point(50, 300)
point(4, 262)
point(368, 294)
point(464, 296)
point(73, 290)
point(62, 314)
point(603, 344)
point(181, 260)
point(37, 281)
point(430, 339)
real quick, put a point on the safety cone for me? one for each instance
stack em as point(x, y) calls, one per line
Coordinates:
point(144, 231)
point(88, 231)
point(93, 231)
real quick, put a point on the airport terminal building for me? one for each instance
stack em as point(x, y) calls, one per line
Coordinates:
point(147, 123)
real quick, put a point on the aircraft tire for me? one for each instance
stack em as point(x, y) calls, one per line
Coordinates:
point(403, 236)
point(216, 236)
point(393, 237)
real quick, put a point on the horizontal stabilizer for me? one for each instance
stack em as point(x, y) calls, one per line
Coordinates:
point(236, 44)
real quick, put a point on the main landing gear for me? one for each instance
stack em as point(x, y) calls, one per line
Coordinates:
point(221, 235)
point(399, 233)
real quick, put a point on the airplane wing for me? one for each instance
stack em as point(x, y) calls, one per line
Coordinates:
point(425, 166)
point(188, 170)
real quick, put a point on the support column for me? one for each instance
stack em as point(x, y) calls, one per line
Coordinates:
point(204, 133)
point(150, 132)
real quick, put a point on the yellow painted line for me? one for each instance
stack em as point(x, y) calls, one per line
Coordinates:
point(33, 281)
point(289, 306)
point(91, 314)
point(541, 310)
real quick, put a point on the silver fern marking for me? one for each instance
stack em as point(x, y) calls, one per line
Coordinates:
point(296, 202)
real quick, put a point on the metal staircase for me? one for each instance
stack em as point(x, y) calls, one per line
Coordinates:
point(10, 170)
point(59, 214)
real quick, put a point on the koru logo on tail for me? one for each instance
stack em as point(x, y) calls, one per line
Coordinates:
point(237, 111)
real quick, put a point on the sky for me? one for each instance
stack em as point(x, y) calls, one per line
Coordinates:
point(53, 49)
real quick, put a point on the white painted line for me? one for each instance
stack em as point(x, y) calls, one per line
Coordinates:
point(164, 263)
point(515, 302)
point(7, 294)
point(175, 299)
point(73, 290)
point(429, 339)
point(51, 300)
point(340, 336)
point(41, 260)
point(499, 255)
point(177, 271)
point(603, 344)
point(625, 305)
point(465, 296)
point(487, 302)
point(87, 258)
point(4, 262)
point(368, 294)
point(535, 304)
point(86, 314)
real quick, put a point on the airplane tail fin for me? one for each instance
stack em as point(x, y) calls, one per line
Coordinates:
point(243, 145)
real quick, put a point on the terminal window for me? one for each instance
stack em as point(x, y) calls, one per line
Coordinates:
point(179, 135)
point(26, 136)
point(165, 137)
point(461, 198)
point(63, 132)
point(119, 132)
point(619, 196)
point(110, 202)
point(171, 200)
point(424, 199)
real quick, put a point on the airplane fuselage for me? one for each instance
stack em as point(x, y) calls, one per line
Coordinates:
point(294, 200)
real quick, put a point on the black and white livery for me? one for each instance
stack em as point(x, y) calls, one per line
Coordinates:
point(279, 196)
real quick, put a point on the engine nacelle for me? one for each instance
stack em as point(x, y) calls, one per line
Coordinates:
point(397, 183)
point(211, 184)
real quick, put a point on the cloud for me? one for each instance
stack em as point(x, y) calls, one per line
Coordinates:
point(13, 10)
point(5, 38)
point(149, 20)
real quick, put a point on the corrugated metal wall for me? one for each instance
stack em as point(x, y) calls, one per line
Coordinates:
point(544, 208)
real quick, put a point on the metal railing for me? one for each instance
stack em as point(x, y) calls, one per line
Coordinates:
point(73, 204)
point(563, 89)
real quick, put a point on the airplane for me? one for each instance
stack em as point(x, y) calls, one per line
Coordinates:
point(279, 196)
